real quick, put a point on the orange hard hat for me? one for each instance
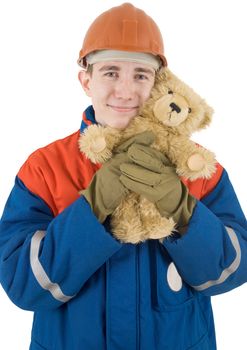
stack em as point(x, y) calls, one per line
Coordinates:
point(124, 28)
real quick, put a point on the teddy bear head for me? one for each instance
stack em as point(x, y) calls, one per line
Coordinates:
point(176, 105)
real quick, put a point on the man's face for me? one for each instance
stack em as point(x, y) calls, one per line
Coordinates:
point(117, 90)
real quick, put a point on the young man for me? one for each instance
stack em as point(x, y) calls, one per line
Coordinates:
point(58, 257)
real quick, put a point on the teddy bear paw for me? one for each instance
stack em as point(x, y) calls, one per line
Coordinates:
point(97, 151)
point(93, 144)
point(201, 164)
point(196, 162)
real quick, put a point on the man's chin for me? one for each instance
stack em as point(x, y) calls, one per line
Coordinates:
point(122, 123)
point(120, 126)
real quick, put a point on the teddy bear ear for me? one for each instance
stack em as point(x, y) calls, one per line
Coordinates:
point(207, 117)
point(161, 77)
point(171, 77)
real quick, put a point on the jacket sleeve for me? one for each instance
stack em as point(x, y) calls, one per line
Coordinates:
point(212, 255)
point(46, 260)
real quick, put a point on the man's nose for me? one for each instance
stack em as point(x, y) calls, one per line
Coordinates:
point(125, 89)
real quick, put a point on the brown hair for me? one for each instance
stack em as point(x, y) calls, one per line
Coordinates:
point(89, 69)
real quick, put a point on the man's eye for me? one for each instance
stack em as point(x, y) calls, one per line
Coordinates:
point(141, 77)
point(111, 74)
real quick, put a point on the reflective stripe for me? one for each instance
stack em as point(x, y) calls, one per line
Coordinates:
point(229, 270)
point(40, 273)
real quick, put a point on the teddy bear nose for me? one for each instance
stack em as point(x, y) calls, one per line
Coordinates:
point(175, 107)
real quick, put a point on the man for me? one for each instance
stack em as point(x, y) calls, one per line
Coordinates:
point(57, 255)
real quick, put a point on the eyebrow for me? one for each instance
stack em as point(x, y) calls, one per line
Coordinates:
point(104, 68)
point(117, 69)
point(144, 70)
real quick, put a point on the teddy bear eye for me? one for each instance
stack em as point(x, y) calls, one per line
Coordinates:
point(189, 111)
point(170, 92)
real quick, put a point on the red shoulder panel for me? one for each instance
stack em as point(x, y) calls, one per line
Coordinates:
point(57, 172)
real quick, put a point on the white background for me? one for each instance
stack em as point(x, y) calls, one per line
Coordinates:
point(41, 100)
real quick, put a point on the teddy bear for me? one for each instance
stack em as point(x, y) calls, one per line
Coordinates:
point(173, 112)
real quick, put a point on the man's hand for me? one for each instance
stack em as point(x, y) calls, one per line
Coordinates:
point(106, 191)
point(152, 175)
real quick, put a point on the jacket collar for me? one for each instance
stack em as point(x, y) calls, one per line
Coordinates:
point(88, 118)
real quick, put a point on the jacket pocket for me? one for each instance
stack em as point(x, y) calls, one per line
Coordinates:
point(176, 306)
point(203, 344)
point(168, 291)
point(36, 346)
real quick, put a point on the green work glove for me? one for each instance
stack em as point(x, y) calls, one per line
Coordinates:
point(106, 191)
point(153, 176)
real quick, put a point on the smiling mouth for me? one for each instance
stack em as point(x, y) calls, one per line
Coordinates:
point(123, 108)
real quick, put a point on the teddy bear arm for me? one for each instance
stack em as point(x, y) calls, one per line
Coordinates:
point(192, 161)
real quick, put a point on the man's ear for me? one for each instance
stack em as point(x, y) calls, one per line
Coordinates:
point(84, 79)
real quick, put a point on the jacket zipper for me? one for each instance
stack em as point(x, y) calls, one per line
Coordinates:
point(108, 316)
point(137, 298)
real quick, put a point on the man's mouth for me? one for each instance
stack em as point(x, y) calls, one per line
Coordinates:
point(123, 108)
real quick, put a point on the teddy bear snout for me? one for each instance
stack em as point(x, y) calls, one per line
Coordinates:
point(175, 107)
